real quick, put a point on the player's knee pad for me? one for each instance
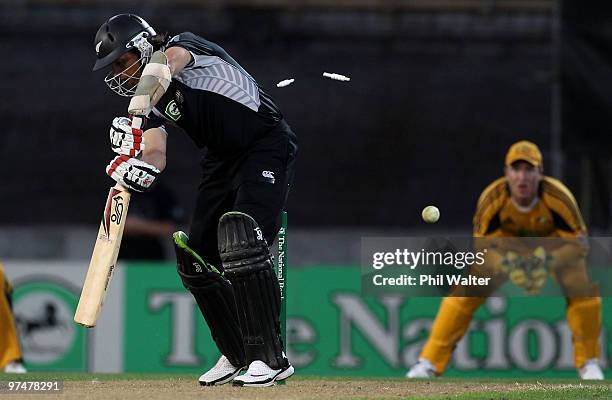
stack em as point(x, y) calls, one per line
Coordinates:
point(215, 298)
point(248, 265)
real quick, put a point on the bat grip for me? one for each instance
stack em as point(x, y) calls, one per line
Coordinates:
point(137, 122)
point(120, 187)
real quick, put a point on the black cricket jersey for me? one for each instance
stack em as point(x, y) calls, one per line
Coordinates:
point(215, 101)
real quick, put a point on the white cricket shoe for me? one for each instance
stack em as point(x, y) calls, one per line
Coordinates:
point(15, 367)
point(222, 372)
point(422, 369)
point(260, 374)
point(591, 370)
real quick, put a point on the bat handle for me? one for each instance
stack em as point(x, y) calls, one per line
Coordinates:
point(120, 187)
point(137, 122)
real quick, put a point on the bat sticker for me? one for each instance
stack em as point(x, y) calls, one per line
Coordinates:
point(114, 195)
point(116, 217)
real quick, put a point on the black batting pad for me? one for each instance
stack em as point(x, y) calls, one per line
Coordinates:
point(249, 267)
point(215, 298)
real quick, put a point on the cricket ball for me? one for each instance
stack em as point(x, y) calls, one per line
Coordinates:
point(430, 214)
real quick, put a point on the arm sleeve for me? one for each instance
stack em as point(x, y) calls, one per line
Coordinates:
point(564, 208)
point(486, 218)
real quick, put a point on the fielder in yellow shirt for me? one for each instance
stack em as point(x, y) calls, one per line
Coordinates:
point(524, 203)
point(10, 352)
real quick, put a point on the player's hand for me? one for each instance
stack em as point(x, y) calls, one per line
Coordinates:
point(529, 273)
point(132, 173)
point(519, 278)
point(537, 266)
point(125, 138)
point(512, 265)
point(510, 262)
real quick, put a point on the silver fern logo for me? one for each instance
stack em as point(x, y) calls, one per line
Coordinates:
point(268, 176)
point(172, 111)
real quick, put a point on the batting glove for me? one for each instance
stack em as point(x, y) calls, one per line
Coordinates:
point(126, 139)
point(132, 173)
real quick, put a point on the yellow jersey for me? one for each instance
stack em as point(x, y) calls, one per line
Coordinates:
point(555, 214)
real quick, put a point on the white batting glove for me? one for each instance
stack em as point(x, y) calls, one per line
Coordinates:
point(126, 139)
point(132, 173)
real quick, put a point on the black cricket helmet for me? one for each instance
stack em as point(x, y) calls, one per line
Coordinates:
point(117, 36)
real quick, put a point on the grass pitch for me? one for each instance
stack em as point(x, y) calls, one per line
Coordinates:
point(175, 387)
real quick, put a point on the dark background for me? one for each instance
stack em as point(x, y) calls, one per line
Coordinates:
point(437, 94)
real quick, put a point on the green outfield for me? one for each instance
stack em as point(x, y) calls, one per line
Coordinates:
point(183, 386)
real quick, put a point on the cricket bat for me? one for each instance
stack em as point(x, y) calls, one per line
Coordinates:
point(104, 257)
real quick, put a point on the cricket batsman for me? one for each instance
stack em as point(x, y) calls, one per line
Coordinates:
point(10, 352)
point(195, 85)
point(525, 203)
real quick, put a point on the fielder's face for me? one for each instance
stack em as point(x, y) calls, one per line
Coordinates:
point(523, 180)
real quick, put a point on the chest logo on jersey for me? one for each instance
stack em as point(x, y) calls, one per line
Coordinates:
point(268, 176)
point(172, 111)
point(544, 221)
